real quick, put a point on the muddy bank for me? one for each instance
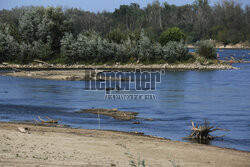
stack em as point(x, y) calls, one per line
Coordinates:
point(114, 113)
point(50, 146)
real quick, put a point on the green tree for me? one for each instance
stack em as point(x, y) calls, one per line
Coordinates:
point(69, 49)
point(116, 36)
point(29, 22)
point(230, 15)
point(172, 34)
point(202, 18)
point(175, 51)
point(53, 26)
point(9, 48)
point(206, 49)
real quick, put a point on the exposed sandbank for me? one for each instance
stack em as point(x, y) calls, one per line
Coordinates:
point(186, 66)
point(78, 72)
point(50, 146)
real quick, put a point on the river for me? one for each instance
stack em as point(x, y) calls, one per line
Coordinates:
point(220, 96)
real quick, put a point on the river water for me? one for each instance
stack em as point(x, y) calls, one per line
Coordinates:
point(220, 96)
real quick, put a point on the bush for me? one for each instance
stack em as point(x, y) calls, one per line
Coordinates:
point(68, 48)
point(92, 48)
point(175, 51)
point(116, 36)
point(144, 45)
point(206, 49)
point(43, 51)
point(9, 48)
point(172, 34)
point(26, 53)
point(130, 49)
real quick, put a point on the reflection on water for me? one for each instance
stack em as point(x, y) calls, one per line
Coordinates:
point(222, 97)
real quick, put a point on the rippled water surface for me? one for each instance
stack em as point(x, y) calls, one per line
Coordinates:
point(220, 96)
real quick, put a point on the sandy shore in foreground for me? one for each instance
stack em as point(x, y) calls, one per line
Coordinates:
point(49, 146)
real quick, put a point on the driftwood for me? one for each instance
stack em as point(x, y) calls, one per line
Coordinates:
point(49, 121)
point(120, 115)
point(42, 62)
point(201, 133)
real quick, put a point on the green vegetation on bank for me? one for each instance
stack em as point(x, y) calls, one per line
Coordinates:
point(206, 49)
point(172, 34)
point(130, 34)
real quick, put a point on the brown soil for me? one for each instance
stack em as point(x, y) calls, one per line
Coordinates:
point(50, 146)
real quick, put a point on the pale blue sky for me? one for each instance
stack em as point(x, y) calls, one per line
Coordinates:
point(91, 5)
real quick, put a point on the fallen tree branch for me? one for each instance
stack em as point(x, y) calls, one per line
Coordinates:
point(50, 121)
point(42, 62)
point(201, 133)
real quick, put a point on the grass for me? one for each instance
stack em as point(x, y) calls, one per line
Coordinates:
point(135, 162)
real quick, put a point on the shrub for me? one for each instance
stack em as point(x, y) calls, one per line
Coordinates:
point(9, 48)
point(131, 50)
point(175, 51)
point(144, 45)
point(43, 51)
point(116, 36)
point(92, 48)
point(26, 53)
point(68, 48)
point(172, 34)
point(206, 49)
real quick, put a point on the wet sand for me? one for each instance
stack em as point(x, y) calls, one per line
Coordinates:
point(51, 146)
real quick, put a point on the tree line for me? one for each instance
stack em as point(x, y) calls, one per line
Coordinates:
point(130, 33)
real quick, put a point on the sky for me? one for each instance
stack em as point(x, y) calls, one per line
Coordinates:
point(91, 5)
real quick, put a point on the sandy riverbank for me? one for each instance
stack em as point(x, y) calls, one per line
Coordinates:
point(78, 72)
point(71, 75)
point(50, 146)
point(186, 66)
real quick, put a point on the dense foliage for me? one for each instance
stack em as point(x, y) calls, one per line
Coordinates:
point(172, 34)
point(176, 51)
point(9, 48)
point(129, 34)
point(206, 49)
point(91, 48)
